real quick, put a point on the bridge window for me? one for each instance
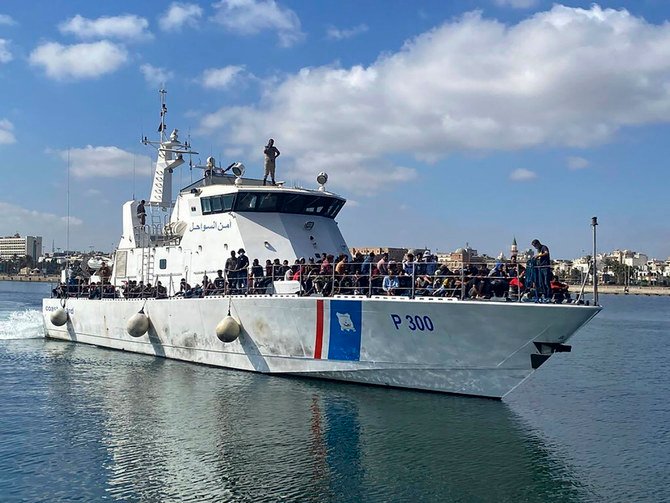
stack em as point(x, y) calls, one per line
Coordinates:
point(246, 201)
point(217, 204)
point(268, 202)
point(273, 202)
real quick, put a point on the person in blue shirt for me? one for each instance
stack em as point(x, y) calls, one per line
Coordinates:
point(408, 265)
point(390, 283)
point(367, 262)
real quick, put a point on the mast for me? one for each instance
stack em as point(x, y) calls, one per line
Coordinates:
point(161, 127)
point(170, 156)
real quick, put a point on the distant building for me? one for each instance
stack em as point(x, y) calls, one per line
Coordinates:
point(461, 256)
point(629, 258)
point(396, 254)
point(443, 257)
point(562, 267)
point(18, 246)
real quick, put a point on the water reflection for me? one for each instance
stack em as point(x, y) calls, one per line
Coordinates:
point(133, 428)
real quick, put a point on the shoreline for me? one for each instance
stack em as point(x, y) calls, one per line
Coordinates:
point(619, 290)
point(30, 279)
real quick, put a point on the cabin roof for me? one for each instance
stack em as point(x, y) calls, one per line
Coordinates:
point(225, 184)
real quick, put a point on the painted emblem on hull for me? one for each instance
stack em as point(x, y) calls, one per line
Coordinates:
point(346, 328)
point(346, 325)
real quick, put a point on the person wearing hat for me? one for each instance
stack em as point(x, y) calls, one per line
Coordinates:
point(242, 270)
point(420, 263)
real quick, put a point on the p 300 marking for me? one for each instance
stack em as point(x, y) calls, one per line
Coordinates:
point(414, 322)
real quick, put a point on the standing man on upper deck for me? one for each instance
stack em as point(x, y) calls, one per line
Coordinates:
point(271, 153)
point(141, 212)
point(543, 263)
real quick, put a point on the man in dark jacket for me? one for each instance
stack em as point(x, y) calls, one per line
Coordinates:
point(242, 270)
point(543, 264)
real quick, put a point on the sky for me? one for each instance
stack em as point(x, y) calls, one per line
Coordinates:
point(442, 123)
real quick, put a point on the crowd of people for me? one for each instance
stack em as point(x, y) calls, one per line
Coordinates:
point(78, 287)
point(370, 274)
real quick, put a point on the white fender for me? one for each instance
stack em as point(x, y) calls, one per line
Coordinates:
point(228, 329)
point(59, 317)
point(138, 324)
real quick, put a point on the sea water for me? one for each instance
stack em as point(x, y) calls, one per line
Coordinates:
point(80, 423)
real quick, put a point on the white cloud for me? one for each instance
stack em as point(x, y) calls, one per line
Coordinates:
point(6, 132)
point(359, 174)
point(220, 78)
point(5, 53)
point(565, 77)
point(344, 33)
point(156, 76)
point(125, 27)
point(31, 222)
point(179, 15)
point(575, 163)
point(517, 4)
point(96, 194)
point(78, 61)
point(7, 20)
point(522, 175)
point(106, 162)
point(249, 17)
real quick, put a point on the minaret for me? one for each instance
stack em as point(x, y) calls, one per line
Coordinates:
point(513, 250)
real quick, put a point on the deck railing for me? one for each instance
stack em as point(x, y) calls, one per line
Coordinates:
point(509, 282)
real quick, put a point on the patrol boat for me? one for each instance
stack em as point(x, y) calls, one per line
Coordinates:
point(445, 344)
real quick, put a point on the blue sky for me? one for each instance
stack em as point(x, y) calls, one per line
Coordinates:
point(441, 122)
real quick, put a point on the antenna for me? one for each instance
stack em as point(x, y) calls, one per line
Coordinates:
point(190, 155)
point(67, 222)
point(161, 128)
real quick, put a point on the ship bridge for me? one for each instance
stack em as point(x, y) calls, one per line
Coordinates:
point(219, 214)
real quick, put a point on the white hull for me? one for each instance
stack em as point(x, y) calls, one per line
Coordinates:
point(472, 348)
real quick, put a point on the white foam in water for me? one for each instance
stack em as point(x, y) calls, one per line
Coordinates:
point(26, 324)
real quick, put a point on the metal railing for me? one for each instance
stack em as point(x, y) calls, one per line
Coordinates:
point(509, 282)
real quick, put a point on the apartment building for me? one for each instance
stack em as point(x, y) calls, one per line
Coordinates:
point(16, 245)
